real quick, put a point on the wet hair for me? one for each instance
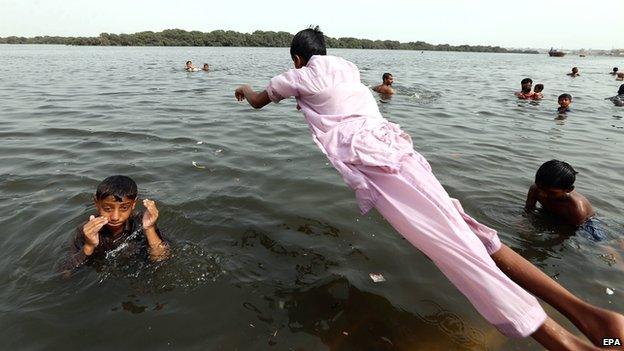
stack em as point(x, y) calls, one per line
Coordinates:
point(118, 186)
point(574, 68)
point(307, 43)
point(556, 174)
point(615, 69)
point(539, 87)
point(621, 90)
point(386, 76)
point(189, 61)
point(565, 95)
point(526, 80)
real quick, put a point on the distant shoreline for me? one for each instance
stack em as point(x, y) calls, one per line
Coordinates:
point(220, 38)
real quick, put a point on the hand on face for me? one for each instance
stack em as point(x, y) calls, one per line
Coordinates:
point(151, 214)
point(91, 230)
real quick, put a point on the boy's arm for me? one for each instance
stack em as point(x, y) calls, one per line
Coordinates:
point(158, 248)
point(531, 199)
point(256, 100)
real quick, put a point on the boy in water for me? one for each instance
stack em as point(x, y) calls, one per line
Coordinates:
point(525, 92)
point(385, 88)
point(615, 71)
point(564, 101)
point(189, 66)
point(538, 92)
point(618, 100)
point(377, 159)
point(206, 67)
point(554, 190)
point(575, 72)
point(116, 224)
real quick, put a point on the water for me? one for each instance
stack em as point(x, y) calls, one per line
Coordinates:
point(270, 251)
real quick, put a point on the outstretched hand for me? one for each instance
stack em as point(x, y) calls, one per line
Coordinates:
point(239, 93)
point(151, 214)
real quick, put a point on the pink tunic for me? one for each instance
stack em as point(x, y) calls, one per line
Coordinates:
point(377, 159)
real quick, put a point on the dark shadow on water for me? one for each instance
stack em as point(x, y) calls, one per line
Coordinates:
point(347, 318)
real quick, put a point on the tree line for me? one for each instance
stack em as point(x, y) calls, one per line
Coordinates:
point(179, 37)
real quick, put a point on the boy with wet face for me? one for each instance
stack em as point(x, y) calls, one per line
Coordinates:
point(564, 101)
point(116, 225)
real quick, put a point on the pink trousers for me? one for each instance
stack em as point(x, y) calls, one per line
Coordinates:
point(414, 202)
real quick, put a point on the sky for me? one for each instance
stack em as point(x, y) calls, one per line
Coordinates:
point(571, 24)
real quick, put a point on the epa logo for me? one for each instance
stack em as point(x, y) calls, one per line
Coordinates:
point(611, 342)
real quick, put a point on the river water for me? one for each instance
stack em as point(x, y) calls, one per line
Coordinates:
point(269, 249)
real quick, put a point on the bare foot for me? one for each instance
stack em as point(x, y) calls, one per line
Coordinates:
point(600, 323)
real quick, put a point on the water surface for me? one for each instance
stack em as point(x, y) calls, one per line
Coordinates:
point(270, 251)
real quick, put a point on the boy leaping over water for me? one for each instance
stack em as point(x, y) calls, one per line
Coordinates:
point(377, 159)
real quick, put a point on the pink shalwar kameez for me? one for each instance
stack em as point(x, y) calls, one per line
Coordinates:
point(377, 159)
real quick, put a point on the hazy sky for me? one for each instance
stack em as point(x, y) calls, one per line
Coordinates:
point(570, 24)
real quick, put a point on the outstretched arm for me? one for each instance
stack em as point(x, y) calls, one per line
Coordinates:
point(256, 100)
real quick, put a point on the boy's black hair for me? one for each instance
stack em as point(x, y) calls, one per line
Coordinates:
point(119, 186)
point(386, 76)
point(621, 90)
point(575, 68)
point(556, 174)
point(538, 86)
point(189, 61)
point(564, 95)
point(615, 69)
point(526, 80)
point(307, 43)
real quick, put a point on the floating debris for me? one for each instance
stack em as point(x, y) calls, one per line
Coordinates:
point(377, 277)
point(345, 333)
point(200, 142)
point(610, 291)
point(197, 165)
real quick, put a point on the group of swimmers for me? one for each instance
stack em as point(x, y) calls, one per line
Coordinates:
point(377, 160)
point(189, 67)
point(565, 99)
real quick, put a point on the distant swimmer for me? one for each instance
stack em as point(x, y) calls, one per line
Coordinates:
point(206, 67)
point(618, 100)
point(190, 68)
point(564, 103)
point(615, 71)
point(525, 93)
point(575, 72)
point(537, 92)
point(385, 88)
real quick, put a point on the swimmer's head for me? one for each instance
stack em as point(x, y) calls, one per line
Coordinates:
point(565, 100)
point(615, 69)
point(555, 177)
point(189, 64)
point(538, 88)
point(387, 78)
point(621, 90)
point(115, 198)
point(575, 70)
point(206, 67)
point(526, 84)
point(305, 44)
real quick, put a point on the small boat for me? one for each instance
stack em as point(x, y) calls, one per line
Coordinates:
point(555, 53)
point(581, 55)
